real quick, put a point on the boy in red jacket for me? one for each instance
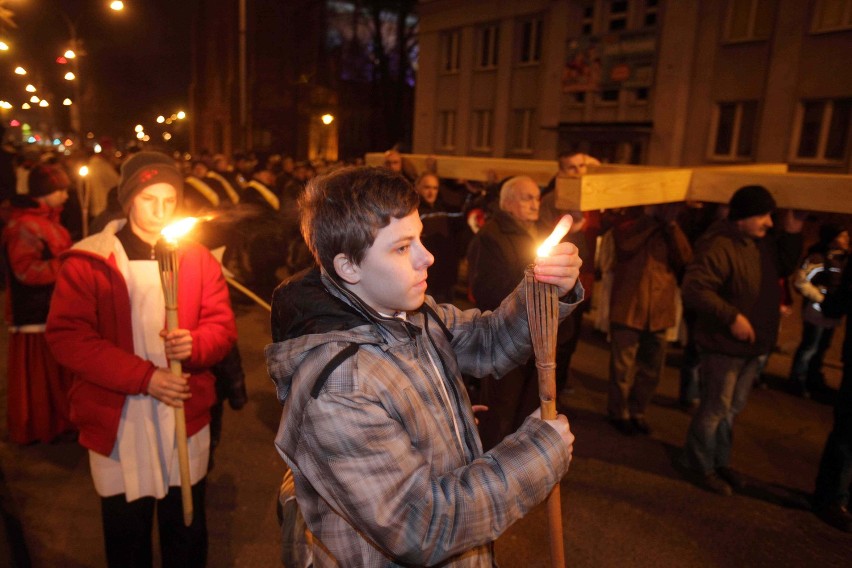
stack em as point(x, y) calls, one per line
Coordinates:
point(106, 324)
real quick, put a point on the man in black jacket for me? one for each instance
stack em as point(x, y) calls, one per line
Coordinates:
point(732, 285)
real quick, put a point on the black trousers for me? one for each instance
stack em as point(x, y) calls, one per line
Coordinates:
point(128, 527)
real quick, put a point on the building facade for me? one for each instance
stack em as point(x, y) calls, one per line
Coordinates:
point(656, 82)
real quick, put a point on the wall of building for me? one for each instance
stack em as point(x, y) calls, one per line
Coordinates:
point(670, 83)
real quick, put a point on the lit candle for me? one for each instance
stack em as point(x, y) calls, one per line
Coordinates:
point(561, 229)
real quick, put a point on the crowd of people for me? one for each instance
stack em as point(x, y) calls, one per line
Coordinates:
point(378, 368)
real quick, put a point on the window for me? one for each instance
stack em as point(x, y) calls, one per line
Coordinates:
point(530, 34)
point(489, 40)
point(617, 16)
point(450, 51)
point(650, 19)
point(735, 129)
point(608, 96)
point(481, 131)
point(588, 20)
point(577, 98)
point(522, 131)
point(447, 130)
point(831, 15)
point(640, 95)
point(749, 19)
point(823, 130)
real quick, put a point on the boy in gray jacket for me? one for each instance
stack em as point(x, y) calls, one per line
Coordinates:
point(377, 426)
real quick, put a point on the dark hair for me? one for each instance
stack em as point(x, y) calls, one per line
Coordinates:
point(342, 211)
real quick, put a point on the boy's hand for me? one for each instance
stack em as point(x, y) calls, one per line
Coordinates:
point(560, 424)
point(178, 344)
point(168, 388)
point(561, 268)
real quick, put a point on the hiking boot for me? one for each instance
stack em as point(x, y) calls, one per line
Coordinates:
point(715, 484)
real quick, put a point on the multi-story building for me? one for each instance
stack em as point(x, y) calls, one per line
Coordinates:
point(677, 82)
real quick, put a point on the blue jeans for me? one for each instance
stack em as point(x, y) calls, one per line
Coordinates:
point(807, 363)
point(725, 385)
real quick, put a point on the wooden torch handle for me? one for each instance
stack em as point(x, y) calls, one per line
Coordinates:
point(180, 432)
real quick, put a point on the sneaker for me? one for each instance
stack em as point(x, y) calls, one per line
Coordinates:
point(837, 516)
point(623, 425)
point(732, 477)
point(641, 425)
point(715, 484)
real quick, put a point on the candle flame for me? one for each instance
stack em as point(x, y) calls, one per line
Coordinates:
point(561, 229)
point(174, 232)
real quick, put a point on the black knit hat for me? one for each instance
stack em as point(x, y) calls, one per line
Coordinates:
point(749, 201)
point(44, 180)
point(145, 169)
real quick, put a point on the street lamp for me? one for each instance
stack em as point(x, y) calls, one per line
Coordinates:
point(4, 46)
point(20, 71)
point(117, 5)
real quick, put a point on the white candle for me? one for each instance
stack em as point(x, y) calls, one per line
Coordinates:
point(561, 229)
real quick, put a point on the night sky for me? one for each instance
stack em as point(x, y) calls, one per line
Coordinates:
point(137, 64)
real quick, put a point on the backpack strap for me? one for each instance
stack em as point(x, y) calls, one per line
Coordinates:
point(429, 311)
point(329, 368)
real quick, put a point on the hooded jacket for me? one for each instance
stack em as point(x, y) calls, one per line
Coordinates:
point(384, 475)
point(33, 240)
point(733, 273)
point(89, 331)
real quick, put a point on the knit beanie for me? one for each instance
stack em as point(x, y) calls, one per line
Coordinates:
point(829, 231)
point(44, 180)
point(146, 169)
point(749, 201)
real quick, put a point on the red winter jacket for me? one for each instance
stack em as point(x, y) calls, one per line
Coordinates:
point(89, 331)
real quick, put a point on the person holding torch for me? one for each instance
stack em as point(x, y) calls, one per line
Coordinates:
point(377, 427)
point(106, 324)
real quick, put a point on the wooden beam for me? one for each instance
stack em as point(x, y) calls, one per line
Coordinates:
point(610, 191)
point(477, 169)
point(618, 185)
point(809, 192)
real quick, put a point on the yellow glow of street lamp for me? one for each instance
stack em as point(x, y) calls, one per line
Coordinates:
point(138, 128)
point(69, 54)
point(145, 138)
point(167, 136)
point(84, 171)
point(181, 115)
point(26, 106)
point(70, 76)
point(327, 119)
point(161, 119)
point(43, 103)
point(67, 102)
point(31, 89)
point(140, 135)
point(34, 99)
point(4, 46)
point(20, 71)
point(117, 5)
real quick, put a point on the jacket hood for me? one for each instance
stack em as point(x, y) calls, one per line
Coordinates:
point(310, 311)
point(100, 244)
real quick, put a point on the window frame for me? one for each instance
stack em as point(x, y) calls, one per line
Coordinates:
point(736, 131)
point(451, 51)
point(524, 117)
point(447, 135)
point(823, 136)
point(750, 35)
point(482, 117)
point(493, 47)
point(534, 46)
point(819, 7)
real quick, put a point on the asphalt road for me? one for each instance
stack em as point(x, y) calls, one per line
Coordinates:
point(624, 501)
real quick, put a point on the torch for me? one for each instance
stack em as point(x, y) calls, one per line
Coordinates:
point(166, 251)
point(543, 316)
